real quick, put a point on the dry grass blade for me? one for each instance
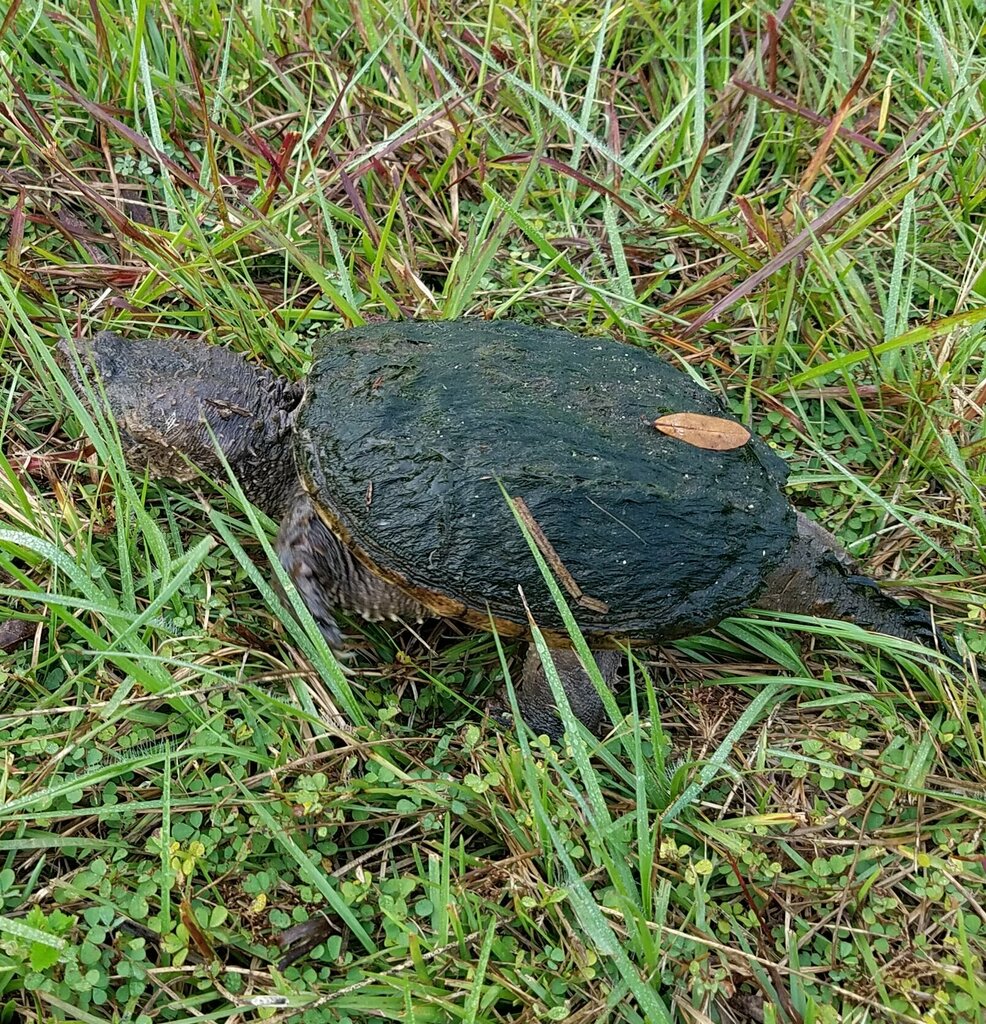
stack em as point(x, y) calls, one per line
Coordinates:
point(9, 18)
point(732, 96)
point(15, 234)
point(193, 68)
point(553, 559)
point(818, 227)
point(572, 172)
point(820, 155)
point(143, 144)
point(789, 106)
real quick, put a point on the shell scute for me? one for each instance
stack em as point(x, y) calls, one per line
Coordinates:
point(412, 431)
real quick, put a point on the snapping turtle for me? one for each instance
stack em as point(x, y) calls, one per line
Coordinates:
point(389, 470)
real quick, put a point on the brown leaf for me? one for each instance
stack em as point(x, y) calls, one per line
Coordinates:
point(195, 932)
point(703, 431)
point(301, 939)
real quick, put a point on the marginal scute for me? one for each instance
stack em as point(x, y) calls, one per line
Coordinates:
point(412, 433)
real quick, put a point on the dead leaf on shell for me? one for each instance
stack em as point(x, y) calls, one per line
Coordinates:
point(703, 431)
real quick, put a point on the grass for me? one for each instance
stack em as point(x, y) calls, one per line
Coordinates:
point(203, 818)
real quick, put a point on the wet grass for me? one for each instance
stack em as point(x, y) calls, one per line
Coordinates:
point(203, 817)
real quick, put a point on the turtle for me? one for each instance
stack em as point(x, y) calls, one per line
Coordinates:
point(415, 466)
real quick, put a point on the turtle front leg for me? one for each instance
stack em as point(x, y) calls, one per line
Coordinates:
point(329, 577)
point(537, 702)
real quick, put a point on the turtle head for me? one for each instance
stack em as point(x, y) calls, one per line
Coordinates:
point(175, 401)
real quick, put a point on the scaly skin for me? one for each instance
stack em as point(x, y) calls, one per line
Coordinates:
point(170, 398)
point(328, 576)
point(167, 395)
point(820, 578)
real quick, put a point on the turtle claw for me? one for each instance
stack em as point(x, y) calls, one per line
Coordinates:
point(541, 723)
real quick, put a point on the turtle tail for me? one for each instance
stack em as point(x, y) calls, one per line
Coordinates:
point(820, 578)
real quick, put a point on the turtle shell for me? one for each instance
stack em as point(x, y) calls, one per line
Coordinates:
point(412, 433)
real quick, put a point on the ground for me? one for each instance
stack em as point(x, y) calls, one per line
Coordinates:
point(205, 818)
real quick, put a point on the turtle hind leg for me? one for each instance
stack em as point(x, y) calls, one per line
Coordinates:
point(537, 702)
point(329, 577)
